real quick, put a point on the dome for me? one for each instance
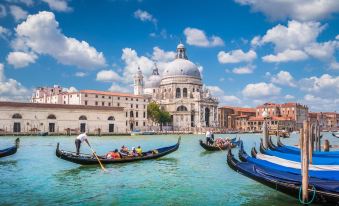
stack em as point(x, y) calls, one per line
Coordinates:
point(180, 46)
point(153, 81)
point(181, 67)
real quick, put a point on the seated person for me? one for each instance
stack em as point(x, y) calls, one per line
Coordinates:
point(109, 155)
point(139, 151)
point(116, 154)
point(133, 152)
point(124, 150)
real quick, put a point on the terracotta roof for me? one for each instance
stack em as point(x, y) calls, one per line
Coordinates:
point(274, 118)
point(240, 109)
point(58, 106)
point(110, 93)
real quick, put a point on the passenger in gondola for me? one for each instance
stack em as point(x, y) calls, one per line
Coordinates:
point(116, 154)
point(124, 151)
point(209, 138)
point(80, 139)
point(139, 151)
point(133, 152)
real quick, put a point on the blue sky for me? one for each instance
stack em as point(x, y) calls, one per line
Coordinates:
point(249, 51)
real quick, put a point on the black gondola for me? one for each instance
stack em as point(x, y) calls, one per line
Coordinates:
point(335, 135)
point(87, 159)
point(216, 148)
point(288, 186)
point(10, 150)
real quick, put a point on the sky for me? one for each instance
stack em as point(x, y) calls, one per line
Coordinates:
point(249, 51)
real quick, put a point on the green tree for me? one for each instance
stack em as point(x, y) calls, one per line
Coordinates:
point(158, 115)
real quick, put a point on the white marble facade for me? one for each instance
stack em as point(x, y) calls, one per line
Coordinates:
point(179, 90)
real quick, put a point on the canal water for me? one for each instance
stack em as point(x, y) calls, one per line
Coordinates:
point(189, 176)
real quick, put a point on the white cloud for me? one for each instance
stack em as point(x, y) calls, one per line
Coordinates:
point(325, 86)
point(70, 89)
point(295, 36)
point(58, 5)
point(4, 33)
point(255, 41)
point(316, 103)
point(220, 94)
point(303, 10)
point(244, 70)
point(120, 89)
point(198, 37)
point(41, 34)
point(285, 56)
point(145, 16)
point(337, 37)
point(10, 89)
point(322, 51)
point(21, 59)
point(284, 78)
point(334, 65)
point(3, 11)
point(26, 2)
point(160, 55)
point(261, 90)
point(288, 97)
point(80, 74)
point(236, 56)
point(108, 76)
point(18, 13)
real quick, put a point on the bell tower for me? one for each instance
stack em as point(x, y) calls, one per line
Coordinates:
point(138, 83)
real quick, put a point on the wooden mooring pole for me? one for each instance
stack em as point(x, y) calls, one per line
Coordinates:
point(265, 134)
point(305, 161)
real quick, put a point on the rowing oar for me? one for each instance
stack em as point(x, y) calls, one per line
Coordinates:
point(94, 153)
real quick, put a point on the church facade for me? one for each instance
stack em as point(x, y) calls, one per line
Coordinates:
point(180, 91)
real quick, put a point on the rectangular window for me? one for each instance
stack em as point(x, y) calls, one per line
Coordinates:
point(86, 95)
point(126, 98)
point(144, 123)
point(136, 123)
point(136, 106)
point(103, 103)
point(85, 102)
point(118, 104)
point(137, 99)
point(96, 96)
point(136, 114)
point(144, 114)
point(103, 97)
point(109, 97)
point(111, 128)
point(118, 98)
point(109, 104)
point(131, 99)
point(96, 103)
point(126, 114)
point(131, 105)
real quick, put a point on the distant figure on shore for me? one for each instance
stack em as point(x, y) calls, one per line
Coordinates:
point(209, 139)
point(80, 139)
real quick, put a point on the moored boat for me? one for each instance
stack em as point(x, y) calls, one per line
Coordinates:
point(11, 150)
point(335, 135)
point(88, 159)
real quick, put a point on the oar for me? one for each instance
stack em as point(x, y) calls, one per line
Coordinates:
point(94, 153)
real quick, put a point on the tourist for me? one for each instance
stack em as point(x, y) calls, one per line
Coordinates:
point(80, 139)
point(124, 150)
point(116, 154)
point(139, 151)
point(133, 152)
point(109, 155)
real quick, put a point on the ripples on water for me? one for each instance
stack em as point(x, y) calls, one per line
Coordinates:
point(190, 176)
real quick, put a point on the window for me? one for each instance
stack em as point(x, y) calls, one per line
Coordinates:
point(118, 104)
point(184, 92)
point(136, 114)
point(96, 103)
point(51, 116)
point(126, 98)
point(86, 95)
point(131, 114)
point(109, 104)
point(96, 96)
point(126, 114)
point(193, 89)
point(144, 114)
point(136, 106)
point(131, 99)
point(16, 116)
point(109, 97)
point(136, 123)
point(137, 99)
point(85, 102)
point(131, 105)
point(103, 97)
point(144, 106)
point(144, 123)
point(182, 109)
point(177, 93)
point(64, 102)
point(111, 118)
point(118, 98)
point(82, 117)
point(103, 103)
point(153, 90)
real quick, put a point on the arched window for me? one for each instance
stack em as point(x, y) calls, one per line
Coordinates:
point(111, 118)
point(177, 93)
point(184, 92)
point(16, 116)
point(51, 116)
point(82, 117)
point(131, 114)
point(182, 109)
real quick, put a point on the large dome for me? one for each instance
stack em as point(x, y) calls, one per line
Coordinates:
point(181, 67)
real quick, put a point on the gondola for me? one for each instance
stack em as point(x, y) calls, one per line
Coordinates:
point(216, 148)
point(335, 135)
point(286, 183)
point(11, 150)
point(88, 159)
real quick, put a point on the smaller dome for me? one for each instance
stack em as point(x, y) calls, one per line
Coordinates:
point(180, 46)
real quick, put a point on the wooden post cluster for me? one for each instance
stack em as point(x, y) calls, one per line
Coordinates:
point(265, 134)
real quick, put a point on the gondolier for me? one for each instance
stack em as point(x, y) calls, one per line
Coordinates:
point(80, 139)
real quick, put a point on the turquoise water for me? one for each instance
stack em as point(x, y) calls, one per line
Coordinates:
point(190, 176)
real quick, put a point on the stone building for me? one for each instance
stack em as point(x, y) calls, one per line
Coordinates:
point(235, 118)
point(31, 118)
point(179, 90)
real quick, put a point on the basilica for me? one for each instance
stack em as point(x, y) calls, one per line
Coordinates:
point(180, 91)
